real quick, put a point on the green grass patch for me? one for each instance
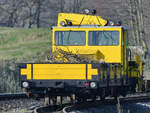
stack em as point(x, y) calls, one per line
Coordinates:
point(18, 45)
point(23, 43)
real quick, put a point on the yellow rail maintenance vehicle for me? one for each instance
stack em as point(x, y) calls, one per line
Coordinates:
point(112, 72)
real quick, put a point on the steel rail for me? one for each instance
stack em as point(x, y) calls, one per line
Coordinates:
point(66, 108)
point(108, 101)
point(7, 96)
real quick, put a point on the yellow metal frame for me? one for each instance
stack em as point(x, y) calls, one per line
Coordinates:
point(80, 19)
point(59, 71)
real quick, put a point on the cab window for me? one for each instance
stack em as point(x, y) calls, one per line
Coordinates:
point(70, 38)
point(109, 38)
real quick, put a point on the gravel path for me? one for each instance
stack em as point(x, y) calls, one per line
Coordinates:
point(19, 105)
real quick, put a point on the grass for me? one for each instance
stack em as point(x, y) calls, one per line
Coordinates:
point(19, 45)
point(23, 43)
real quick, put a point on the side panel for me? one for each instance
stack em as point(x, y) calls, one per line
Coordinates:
point(59, 71)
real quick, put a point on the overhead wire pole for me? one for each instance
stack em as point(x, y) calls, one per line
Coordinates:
point(141, 25)
point(137, 23)
point(136, 13)
point(76, 6)
point(132, 24)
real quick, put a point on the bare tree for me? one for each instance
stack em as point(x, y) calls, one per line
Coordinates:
point(30, 9)
point(76, 6)
point(10, 8)
point(136, 13)
point(61, 4)
point(38, 10)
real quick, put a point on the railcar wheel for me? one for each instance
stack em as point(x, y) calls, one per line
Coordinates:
point(59, 100)
point(53, 101)
point(73, 97)
point(50, 100)
point(47, 101)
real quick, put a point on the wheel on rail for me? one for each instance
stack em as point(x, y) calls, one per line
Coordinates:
point(73, 97)
point(47, 100)
point(59, 100)
point(50, 100)
point(69, 99)
point(53, 101)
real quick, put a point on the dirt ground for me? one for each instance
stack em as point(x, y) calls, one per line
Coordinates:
point(19, 105)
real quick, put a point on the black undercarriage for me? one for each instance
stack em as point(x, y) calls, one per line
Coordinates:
point(82, 89)
point(108, 82)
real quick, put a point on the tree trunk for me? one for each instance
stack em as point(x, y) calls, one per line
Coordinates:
point(38, 13)
point(30, 17)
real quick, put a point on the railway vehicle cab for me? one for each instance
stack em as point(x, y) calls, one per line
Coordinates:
point(90, 40)
point(89, 36)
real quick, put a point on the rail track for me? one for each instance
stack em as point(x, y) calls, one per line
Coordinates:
point(67, 108)
point(18, 103)
point(8, 96)
point(50, 109)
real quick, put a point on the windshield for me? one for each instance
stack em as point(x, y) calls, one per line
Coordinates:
point(103, 38)
point(74, 38)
